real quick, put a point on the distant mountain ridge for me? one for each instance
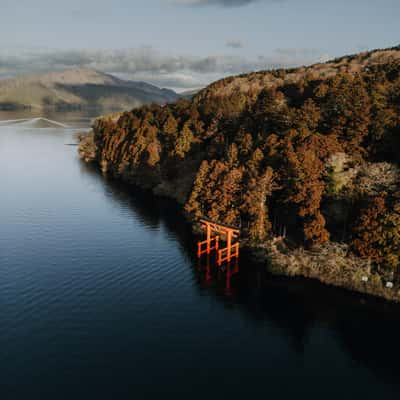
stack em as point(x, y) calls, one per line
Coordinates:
point(79, 88)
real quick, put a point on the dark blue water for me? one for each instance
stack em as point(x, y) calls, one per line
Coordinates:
point(101, 297)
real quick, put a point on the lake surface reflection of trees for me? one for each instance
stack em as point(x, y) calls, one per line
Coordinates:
point(366, 328)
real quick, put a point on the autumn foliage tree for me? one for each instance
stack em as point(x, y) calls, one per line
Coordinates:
point(302, 181)
point(254, 208)
point(376, 234)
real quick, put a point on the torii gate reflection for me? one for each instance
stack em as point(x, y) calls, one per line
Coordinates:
point(230, 269)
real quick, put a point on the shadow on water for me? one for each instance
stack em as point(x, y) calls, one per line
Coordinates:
point(366, 328)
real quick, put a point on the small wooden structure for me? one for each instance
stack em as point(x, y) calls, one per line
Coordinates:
point(214, 231)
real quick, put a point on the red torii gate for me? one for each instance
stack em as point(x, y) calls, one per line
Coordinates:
point(212, 242)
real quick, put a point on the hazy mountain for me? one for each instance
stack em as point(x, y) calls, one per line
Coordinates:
point(188, 94)
point(79, 88)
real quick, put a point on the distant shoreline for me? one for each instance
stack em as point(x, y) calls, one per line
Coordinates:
point(22, 107)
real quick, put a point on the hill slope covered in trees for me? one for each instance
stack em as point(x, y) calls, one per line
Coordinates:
point(79, 88)
point(310, 153)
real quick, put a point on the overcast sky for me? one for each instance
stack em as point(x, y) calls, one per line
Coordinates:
point(188, 43)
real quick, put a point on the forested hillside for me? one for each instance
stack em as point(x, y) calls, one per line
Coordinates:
point(310, 153)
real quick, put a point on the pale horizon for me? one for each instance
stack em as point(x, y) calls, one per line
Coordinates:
point(187, 44)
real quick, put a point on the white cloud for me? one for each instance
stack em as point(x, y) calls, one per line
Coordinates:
point(223, 3)
point(148, 64)
point(235, 44)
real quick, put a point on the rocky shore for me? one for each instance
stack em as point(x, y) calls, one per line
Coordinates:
point(332, 264)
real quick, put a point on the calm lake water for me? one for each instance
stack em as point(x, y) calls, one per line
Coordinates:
point(101, 297)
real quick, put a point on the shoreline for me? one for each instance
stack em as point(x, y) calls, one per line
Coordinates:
point(332, 264)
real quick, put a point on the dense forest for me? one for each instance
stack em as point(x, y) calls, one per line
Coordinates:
point(310, 154)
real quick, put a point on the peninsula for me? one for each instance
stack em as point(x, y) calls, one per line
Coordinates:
point(304, 160)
